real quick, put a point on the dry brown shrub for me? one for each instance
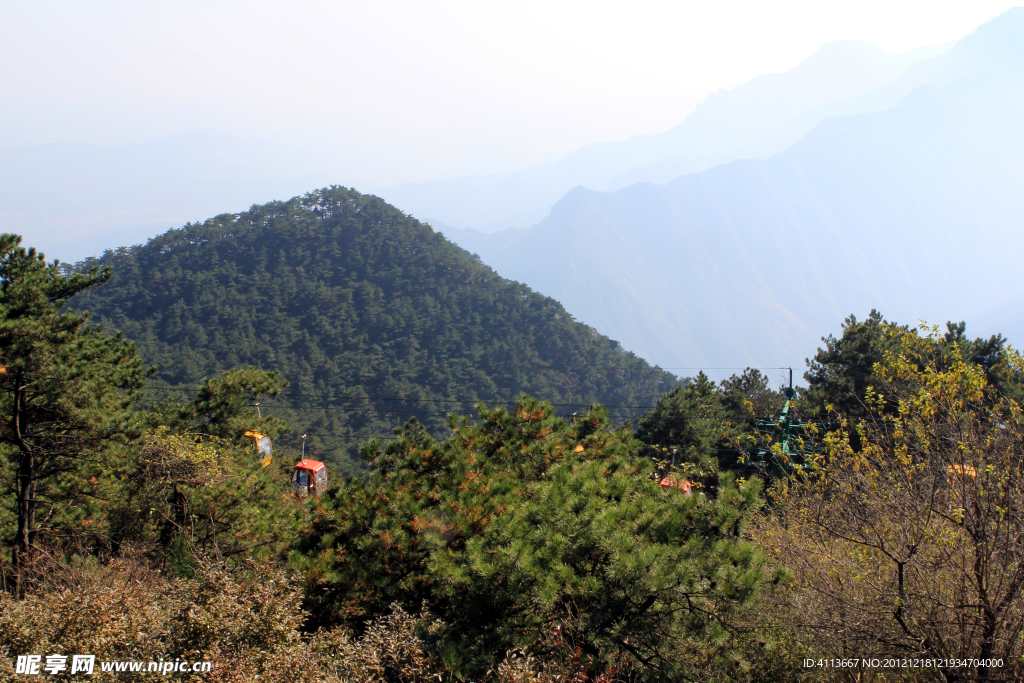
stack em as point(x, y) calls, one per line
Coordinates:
point(258, 616)
point(390, 651)
point(562, 661)
point(246, 623)
point(906, 539)
point(123, 610)
point(115, 611)
point(520, 666)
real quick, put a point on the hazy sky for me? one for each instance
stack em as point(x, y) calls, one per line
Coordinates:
point(410, 90)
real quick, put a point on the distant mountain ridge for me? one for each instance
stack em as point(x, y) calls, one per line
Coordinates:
point(74, 200)
point(754, 120)
point(373, 317)
point(917, 210)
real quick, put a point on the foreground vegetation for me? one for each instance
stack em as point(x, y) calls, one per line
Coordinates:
point(518, 545)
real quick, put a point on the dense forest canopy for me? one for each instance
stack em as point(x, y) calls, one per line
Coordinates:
point(353, 301)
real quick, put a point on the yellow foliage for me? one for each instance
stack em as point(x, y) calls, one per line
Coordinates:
point(906, 531)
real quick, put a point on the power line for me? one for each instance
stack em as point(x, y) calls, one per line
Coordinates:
point(394, 411)
point(426, 400)
point(412, 400)
point(361, 440)
point(458, 401)
point(399, 411)
point(743, 368)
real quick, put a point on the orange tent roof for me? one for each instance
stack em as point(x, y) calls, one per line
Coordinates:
point(957, 468)
point(312, 465)
point(671, 482)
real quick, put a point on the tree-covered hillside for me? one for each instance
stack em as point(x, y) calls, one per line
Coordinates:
point(355, 304)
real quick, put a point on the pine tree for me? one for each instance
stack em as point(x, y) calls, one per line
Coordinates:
point(66, 395)
point(690, 418)
point(840, 373)
point(700, 426)
point(526, 528)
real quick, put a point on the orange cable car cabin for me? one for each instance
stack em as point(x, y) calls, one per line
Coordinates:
point(309, 478)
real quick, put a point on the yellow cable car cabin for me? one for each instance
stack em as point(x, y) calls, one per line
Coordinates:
point(262, 444)
point(309, 478)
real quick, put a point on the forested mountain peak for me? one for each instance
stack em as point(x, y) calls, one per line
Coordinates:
point(353, 302)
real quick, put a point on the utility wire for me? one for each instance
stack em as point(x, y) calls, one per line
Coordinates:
point(410, 400)
point(401, 411)
point(423, 400)
point(744, 368)
point(442, 400)
point(394, 411)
